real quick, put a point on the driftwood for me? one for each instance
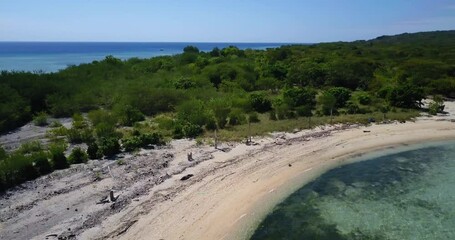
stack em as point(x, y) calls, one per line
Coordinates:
point(186, 177)
point(108, 199)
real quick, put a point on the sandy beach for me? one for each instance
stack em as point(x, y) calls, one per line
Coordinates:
point(227, 195)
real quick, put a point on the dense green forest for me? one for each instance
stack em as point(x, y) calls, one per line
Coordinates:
point(196, 92)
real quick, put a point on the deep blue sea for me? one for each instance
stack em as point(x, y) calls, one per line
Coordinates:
point(53, 56)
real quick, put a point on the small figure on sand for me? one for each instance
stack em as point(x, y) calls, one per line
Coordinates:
point(190, 156)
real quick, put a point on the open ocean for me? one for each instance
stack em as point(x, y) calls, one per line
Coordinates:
point(54, 56)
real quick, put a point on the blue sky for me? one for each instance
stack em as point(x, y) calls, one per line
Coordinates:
point(301, 21)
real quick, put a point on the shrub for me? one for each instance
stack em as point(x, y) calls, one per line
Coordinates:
point(304, 111)
point(236, 117)
point(16, 169)
point(30, 147)
point(260, 103)
point(101, 116)
point(58, 157)
point(296, 96)
point(74, 135)
point(3, 154)
point(41, 163)
point(93, 151)
point(40, 119)
point(437, 105)
point(178, 131)
point(78, 121)
point(290, 115)
point(152, 139)
point(132, 143)
point(55, 124)
point(341, 95)
point(129, 115)
point(211, 124)
point(106, 130)
point(364, 98)
point(220, 109)
point(272, 115)
point(191, 130)
point(109, 146)
point(59, 131)
point(253, 117)
point(194, 112)
point(78, 156)
point(352, 108)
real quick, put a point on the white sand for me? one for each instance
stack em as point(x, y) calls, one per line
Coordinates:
point(226, 198)
point(230, 195)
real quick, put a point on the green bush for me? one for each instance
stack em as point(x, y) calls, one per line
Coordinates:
point(364, 98)
point(30, 147)
point(437, 105)
point(41, 163)
point(40, 119)
point(78, 156)
point(236, 117)
point(16, 169)
point(93, 151)
point(106, 130)
point(341, 95)
point(304, 111)
point(259, 102)
point(3, 154)
point(191, 130)
point(143, 140)
point(193, 112)
point(220, 109)
point(290, 115)
point(296, 96)
point(272, 115)
point(79, 121)
point(128, 115)
point(352, 108)
point(58, 158)
point(55, 124)
point(177, 133)
point(74, 135)
point(101, 116)
point(152, 139)
point(109, 146)
point(253, 117)
point(132, 143)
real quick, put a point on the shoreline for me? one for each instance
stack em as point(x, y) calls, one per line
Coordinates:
point(230, 192)
point(233, 207)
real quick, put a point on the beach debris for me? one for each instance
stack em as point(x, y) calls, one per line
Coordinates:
point(366, 131)
point(51, 235)
point(108, 199)
point(290, 165)
point(371, 120)
point(66, 235)
point(186, 177)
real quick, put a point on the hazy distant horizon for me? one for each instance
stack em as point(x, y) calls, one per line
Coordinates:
point(266, 21)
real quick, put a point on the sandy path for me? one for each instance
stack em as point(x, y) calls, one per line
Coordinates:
point(226, 198)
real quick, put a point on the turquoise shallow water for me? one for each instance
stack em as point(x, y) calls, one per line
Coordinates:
point(54, 56)
point(406, 195)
